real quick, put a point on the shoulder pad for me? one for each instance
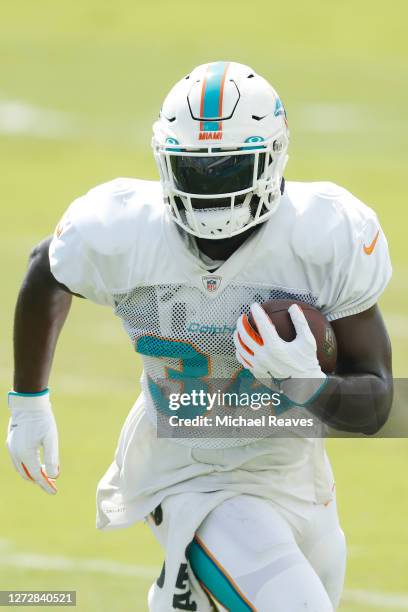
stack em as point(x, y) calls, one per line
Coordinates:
point(110, 216)
point(329, 221)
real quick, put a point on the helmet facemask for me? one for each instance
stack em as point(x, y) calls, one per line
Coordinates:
point(217, 193)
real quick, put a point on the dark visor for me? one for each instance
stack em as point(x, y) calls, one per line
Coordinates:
point(215, 175)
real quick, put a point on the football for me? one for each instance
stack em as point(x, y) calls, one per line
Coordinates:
point(277, 311)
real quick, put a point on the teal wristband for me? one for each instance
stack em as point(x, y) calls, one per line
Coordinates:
point(38, 394)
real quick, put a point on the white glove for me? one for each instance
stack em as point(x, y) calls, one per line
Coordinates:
point(271, 359)
point(32, 426)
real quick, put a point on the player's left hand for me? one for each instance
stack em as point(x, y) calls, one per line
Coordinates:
point(269, 357)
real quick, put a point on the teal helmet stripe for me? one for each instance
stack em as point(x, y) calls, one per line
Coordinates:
point(212, 96)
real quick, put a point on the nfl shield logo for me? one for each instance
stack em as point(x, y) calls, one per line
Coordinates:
point(211, 283)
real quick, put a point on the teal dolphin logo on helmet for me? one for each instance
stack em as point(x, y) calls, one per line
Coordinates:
point(252, 139)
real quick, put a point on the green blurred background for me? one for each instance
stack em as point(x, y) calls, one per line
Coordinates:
point(80, 85)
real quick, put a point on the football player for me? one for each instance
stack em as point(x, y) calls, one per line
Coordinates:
point(246, 524)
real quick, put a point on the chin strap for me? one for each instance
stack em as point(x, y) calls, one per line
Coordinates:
point(215, 220)
point(211, 221)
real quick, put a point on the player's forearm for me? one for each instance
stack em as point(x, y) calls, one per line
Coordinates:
point(358, 403)
point(41, 310)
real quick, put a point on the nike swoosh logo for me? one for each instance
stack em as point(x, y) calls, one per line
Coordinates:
point(370, 248)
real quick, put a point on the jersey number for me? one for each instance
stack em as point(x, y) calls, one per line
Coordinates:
point(195, 367)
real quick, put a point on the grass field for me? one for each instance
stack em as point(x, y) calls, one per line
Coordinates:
point(80, 86)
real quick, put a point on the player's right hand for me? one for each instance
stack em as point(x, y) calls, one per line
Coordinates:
point(32, 427)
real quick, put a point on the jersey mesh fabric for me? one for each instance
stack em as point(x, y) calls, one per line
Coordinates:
point(185, 340)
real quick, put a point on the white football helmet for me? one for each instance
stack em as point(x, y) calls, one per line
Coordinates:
point(221, 147)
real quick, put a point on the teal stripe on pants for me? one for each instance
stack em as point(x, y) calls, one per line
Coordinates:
point(214, 580)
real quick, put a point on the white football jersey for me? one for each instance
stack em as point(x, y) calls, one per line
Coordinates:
point(118, 246)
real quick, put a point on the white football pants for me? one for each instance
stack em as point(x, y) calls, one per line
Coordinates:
point(246, 556)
